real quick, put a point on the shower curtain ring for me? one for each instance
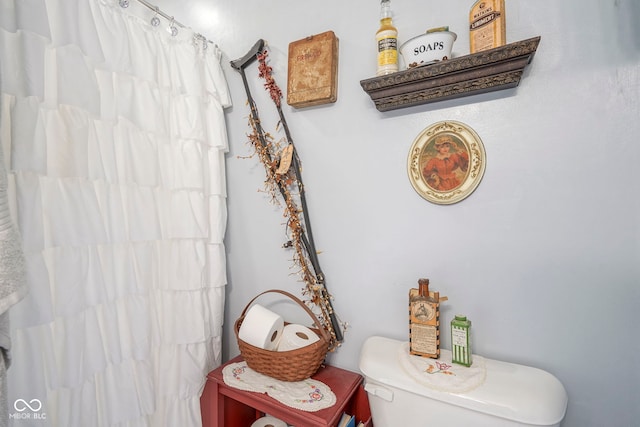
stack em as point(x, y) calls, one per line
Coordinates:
point(155, 21)
point(203, 39)
point(172, 27)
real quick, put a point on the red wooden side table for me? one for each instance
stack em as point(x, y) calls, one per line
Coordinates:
point(226, 406)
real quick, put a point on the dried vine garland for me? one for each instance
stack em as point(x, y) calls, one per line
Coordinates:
point(283, 176)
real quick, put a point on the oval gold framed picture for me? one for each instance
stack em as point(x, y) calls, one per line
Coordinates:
point(446, 162)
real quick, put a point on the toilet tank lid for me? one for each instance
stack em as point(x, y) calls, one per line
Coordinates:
point(515, 392)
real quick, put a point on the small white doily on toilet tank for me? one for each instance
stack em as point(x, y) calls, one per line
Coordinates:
point(441, 374)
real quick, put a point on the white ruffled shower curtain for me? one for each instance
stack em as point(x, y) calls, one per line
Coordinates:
point(114, 140)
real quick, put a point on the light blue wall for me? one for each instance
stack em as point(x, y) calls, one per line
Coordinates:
point(544, 256)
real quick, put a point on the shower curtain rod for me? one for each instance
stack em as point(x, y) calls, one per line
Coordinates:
point(172, 19)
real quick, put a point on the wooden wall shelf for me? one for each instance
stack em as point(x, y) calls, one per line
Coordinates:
point(481, 72)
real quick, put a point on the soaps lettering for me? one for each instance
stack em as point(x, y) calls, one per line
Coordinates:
point(427, 47)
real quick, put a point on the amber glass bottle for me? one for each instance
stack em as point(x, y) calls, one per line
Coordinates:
point(487, 25)
point(424, 321)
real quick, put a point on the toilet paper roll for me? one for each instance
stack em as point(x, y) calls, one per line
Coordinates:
point(261, 328)
point(296, 336)
point(268, 422)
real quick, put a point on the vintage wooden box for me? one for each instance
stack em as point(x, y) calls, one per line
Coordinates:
point(313, 70)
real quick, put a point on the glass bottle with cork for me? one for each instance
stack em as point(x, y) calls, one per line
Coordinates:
point(387, 41)
point(424, 321)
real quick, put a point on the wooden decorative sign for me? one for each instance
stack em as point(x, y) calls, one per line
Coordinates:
point(313, 70)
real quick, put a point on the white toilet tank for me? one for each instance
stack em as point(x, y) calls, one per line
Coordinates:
point(509, 395)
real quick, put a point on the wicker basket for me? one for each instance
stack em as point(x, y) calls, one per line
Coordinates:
point(292, 365)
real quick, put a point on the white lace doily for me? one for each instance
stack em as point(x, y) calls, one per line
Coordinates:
point(307, 395)
point(441, 374)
